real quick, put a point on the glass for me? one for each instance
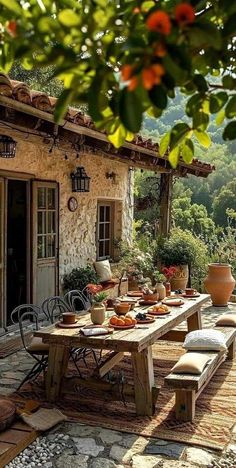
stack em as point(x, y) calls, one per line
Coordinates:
point(41, 222)
point(51, 222)
point(107, 231)
point(41, 197)
point(41, 247)
point(102, 213)
point(101, 231)
point(51, 198)
point(107, 248)
point(51, 246)
point(100, 249)
point(108, 213)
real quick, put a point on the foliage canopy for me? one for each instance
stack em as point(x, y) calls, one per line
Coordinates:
point(126, 58)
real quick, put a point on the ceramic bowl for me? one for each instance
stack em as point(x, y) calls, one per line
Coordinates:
point(122, 308)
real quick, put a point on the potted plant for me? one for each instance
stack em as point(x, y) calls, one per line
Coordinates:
point(137, 265)
point(177, 251)
point(158, 279)
point(98, 309)
point(78, 278)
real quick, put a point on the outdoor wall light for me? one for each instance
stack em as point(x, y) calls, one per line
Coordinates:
point(80, 180)
point(7, 147)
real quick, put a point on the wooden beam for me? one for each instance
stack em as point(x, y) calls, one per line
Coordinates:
point(165, 203)
point(113, 389)
point(113, 359)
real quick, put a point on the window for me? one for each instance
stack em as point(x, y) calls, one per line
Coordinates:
point(46, 211)
point(105, 230)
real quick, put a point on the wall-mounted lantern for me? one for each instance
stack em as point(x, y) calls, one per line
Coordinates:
point(80, 180)
point(7, 147)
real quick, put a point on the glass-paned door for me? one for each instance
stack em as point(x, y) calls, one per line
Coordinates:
point(45, 240)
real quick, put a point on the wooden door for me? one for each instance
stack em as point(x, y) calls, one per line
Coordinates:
point(45, 240)
point(2, 254)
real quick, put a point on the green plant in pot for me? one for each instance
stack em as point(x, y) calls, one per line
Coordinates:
point(98, 309)
point(178, 250)
point(157, 280)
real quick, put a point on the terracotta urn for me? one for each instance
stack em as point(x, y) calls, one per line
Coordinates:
point(179, 279)
point(98, 314)
point(219, 283)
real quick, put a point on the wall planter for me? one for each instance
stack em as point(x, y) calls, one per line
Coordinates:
point(219, 283)
point(179, 279)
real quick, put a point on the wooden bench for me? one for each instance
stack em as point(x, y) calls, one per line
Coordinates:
point(188, 387)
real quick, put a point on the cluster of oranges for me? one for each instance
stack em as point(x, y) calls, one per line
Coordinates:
point(122, 321)
point(160, 22)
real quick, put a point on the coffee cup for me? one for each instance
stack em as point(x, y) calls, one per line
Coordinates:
point(68, 318)
point(190, 291)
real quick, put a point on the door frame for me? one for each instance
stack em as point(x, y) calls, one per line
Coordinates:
point(34, 184)
point(5, 176)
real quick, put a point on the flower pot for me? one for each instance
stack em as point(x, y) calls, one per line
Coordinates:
point(133, 283)
point(98, 314)
point(219, 283)
point(179, 279)
point(161, 290)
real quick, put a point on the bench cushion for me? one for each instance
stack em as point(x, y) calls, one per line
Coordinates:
point(205, 340)
point(191, 363)
point(227, 320)
point(103, 270)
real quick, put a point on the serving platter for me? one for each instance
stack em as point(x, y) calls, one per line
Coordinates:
point(122, 327)
point(134, 294)
point(190, 295)
point(153, 312)
point(70, 325)
point(147, 303)
point(147, 320)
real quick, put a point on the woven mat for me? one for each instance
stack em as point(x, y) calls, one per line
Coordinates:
point(10, 346)
point(215, 410)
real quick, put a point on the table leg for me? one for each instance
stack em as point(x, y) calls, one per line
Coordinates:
point(143, 382)
point(194, 322)
point(57, 364)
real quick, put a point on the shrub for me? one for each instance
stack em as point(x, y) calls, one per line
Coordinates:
point(78, 278)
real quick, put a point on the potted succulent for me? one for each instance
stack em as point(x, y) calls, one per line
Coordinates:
point(98, 309)
point(158, 279)
point(150, 295)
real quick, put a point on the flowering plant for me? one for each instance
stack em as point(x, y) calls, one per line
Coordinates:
point(96, 296)
point(169, 272)
point(158, 276)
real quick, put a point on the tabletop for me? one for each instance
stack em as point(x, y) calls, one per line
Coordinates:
point(133, 340)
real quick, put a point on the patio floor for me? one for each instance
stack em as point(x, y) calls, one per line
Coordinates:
point(82, 446)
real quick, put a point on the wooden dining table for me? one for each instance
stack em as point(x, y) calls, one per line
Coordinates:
point(137, 342)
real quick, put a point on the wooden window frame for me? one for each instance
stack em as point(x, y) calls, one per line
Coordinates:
point(100, 204)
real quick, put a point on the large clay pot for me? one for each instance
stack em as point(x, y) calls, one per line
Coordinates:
point(98, 314)
point(180, 278)
point(219, 283)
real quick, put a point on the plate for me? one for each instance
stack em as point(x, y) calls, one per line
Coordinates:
point(70, 325)
point(151, 312)
point(143, 302)
point(173, 302)
point(191, 295)
point(147, 320)
point(134, 294)
point(122, 327)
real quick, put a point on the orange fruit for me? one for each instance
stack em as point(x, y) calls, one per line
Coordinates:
point(120, 322)
point(134, 321)
point(122, 317)
point(128, 321)
point(113, 320)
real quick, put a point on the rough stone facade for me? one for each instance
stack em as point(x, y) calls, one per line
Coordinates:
point(77, 231)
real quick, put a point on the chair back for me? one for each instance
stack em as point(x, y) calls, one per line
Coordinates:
point(26, 314)
point(76, 298)
point(53, 307)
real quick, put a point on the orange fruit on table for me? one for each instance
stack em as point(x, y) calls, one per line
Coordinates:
point(134, 321)
point(122, 317)
point(128, 321)
point(120, 322)
point(113, 320)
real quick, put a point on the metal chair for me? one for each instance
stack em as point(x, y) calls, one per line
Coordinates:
point(53, 307)
point(74, 296)
point(28, 314)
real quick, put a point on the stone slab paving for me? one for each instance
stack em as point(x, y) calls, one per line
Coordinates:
point(83, 446)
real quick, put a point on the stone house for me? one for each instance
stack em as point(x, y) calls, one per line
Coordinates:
point(46, 229)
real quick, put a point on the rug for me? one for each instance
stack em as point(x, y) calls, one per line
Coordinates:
point(10, 346)
point(215, 410)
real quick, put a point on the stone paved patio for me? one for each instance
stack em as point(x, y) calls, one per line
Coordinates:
point(82, 446)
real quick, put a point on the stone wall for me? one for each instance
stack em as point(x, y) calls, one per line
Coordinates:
point(77, 240)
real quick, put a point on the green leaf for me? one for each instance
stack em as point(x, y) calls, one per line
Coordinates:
point(178, 133)
point(193, 104)
point(229, 27)
point(201, 83)
point(164, 143)
point(187, 151)
point(69, 18)
point(62, 104)
point(158, 97)
point(230, 131)
point(130, 110)
point(12, 5)
point(228, 82)
point(230, 110)
point(217, 101)
point(94, 96)
point(200, 121)
point(118, 137)
point(205, 34)
point(220, 117)
point(203, 138)
point(174, 157)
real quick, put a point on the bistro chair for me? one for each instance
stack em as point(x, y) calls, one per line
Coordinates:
point(27, 316)
point(53, 307)
point(76, 298)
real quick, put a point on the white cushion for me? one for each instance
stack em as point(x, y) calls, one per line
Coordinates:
point(204, 340)
point(103, 270)
point(227, 320)
point(191, 363)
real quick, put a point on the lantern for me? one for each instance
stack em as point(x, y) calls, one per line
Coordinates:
point(7, 147)
point(80, 180)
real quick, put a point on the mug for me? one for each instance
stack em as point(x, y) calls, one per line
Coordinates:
point(68, 318)
point(190, 291)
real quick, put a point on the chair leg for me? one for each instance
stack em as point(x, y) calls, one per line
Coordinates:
point(38, 367)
